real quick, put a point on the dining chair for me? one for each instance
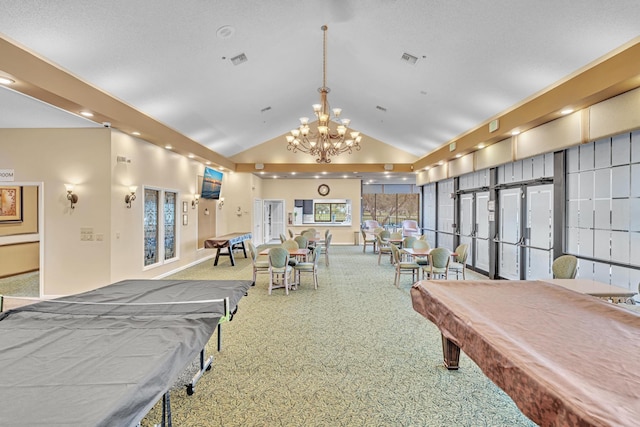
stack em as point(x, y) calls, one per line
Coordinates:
point(422, 244)
point(290, 233)
point(384, 248)
point(460, 263)
point(324, 249)
point(260, 265)
point(302, 241)
point(282, 238)
point(403, 267)
point(368, 239)
point(310, 266)
point(438, 263)
point(280, 271)
point(385, 234)
point(291, 245)
point(565, 267)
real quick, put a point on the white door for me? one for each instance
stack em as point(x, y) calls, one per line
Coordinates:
point(274, 220)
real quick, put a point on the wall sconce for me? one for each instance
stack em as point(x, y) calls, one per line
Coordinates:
point(73, 198)
point(130, 197)
point(221, 203)
point(195, 201)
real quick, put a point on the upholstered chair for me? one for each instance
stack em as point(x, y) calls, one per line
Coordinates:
point(368, 239)
point(291, 245)
point(421, 244)
point(460, 263)
point(260, 265)
point(324, 249)
point(438, 263)
point(279, 269)
point(384, 248)
point(310, 267)
point(302, 241)
point(403, 267)
point(565, 267)
point(410, 228)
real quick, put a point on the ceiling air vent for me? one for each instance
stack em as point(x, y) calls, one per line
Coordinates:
point(265, 109)
point(381, 108)
point(239, 59)
point(409, 59)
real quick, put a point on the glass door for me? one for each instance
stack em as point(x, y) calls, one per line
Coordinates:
point(509, 234)
point(481, 232)
point(538, 243)
point(467, 223)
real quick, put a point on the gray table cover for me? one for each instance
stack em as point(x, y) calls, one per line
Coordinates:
point(105, 365)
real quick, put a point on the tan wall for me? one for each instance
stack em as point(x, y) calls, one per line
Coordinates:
point(292, 189)
point(150, 166)
point(275, 151)
point(19, 258)
point(55, 157)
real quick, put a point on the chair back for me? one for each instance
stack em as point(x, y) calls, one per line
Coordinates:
point(440, 257)
point(381, 243)
point(290, 245)
point(395, 253)
point(385, 234)
point(326, 233)
point(278, 257)
point(565, 267)
point(290, 233)
point(282, 238)
point(309, 233)
point(328, 241)
point(301, 241)
point(421, 244)
point(461, 253)
point(408, 242)
point(395, 235)
point(252, 251)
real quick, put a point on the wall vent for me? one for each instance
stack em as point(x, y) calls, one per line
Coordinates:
point(408, 58)
point(239, 59)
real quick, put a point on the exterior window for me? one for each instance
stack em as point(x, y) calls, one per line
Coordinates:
point(170, 225)
point(330, 212)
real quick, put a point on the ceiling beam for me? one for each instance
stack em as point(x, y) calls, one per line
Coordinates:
point(40, 79)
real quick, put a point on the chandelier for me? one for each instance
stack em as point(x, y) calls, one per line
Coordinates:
point(329, 138)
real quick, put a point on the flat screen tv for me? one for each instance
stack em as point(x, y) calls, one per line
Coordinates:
point(211, 183)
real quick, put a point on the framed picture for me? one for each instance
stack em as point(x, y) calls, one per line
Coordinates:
point(185, 219)
point(10, 204)
point(185, 206)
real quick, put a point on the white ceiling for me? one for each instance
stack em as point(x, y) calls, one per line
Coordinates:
point(476, 59)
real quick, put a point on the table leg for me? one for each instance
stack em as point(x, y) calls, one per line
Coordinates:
point(244, 250)
point(451, 353)
point(217, 256)
point(233, 261)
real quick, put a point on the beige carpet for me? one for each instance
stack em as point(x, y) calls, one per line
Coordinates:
point(352, 353)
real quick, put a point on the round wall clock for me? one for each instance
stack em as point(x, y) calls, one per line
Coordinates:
point(323, 189)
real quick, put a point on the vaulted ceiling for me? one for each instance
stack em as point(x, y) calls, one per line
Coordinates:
point(172, 62)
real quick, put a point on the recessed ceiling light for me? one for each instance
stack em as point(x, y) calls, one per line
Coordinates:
point(136, 133)
point(6, 80)
point(458, 155)
point(405, 178)
point(275, 176)
point(515, 132)
point(261, 172)
point(86, 113)
point(427, 168)
point(481, 146)
point(208, 163)
point(345, 176)
point(191, 156)
point(566, 111)
point(324, 172)
point(293, 173)
point(168, 147)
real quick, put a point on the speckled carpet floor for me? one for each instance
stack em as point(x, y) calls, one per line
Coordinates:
point(352, 353)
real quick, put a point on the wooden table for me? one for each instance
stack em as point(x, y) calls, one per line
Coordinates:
point(564, 358)
point(229, 241)
point(293, 253)
point(593, 288)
